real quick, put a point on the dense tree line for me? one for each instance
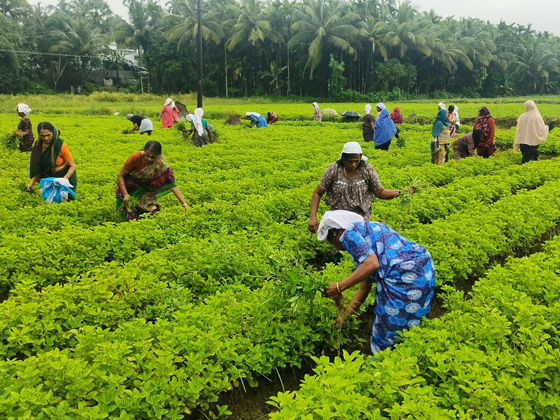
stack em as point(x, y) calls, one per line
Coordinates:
point(323, 48)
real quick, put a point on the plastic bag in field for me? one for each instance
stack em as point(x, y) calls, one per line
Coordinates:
point(56, 190)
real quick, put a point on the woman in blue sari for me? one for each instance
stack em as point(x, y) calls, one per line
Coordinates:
point(403, 270)
point(257, 119)
point(384, 130)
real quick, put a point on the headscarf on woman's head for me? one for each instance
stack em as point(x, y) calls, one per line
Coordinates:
point(24, 109)
point(456, 112)
point(197, 121)
point(168, 101)
point(440, 122)
point(384, 128)
point(129, 116)
point(441, 105)
point(381, 105)
point(482, 120)
point(190, 117)
point(531, 128)
point(368, 109)
point(337, 219)
point(173, 104)
point(44, 162)
point(315, 105)
point(397, 110)
point(352, 148)
point(254, 114)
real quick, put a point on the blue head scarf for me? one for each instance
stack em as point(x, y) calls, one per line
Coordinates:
point(440, 122)
point(384, 128)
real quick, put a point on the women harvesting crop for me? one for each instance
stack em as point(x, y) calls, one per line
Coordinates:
point(257, 119)
point(24, 129)
point(403, 270)
point(166, 114)
point(487, 124)
point(368, 125)
point(440, 138)
point(350, 184)
point(530, 132)
point(200, 129)
point(141, 124)
point(145, 177)
point(316, 112)
point(51, 158)
point(465, 145)
point(272, 117)
point(385, 130)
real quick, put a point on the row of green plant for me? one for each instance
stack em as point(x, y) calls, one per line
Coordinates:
point(495, 354)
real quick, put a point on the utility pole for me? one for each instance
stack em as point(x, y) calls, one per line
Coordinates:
point(200, 64)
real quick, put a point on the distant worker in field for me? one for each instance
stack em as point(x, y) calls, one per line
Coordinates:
point(316, 112)
point(487, 124)
point(200, 129)
point(166, 114)
point(141, 124)
point(451, 119)
point(403, 271)
point(257, 119)
point(465, 145)
point(233, 120)
point(350, 184)
point(457, 122)
point(272, 117)
point(379, 107)
point(440, 138)
point(385, 130)
point(145, 177)
point(530, 132)
point(368, 125)
point(24, 129)
point(396, 116)
point(440, 106)
point(175, 112)
point(51, 158)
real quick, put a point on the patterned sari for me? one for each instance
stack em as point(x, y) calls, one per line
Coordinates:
point(145, 187)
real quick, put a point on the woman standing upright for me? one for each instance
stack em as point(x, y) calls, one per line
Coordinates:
point(487, 124)
point(317, 112)
point(440, 138)
point(451, 119)
point(25, 129)
point(367, 128)
point(51, 158)
point(166, 114)
point(530, 132)
point(385, 130)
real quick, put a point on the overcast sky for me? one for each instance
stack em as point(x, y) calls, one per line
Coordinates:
point(542, 14)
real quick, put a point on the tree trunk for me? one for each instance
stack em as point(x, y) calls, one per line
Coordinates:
point(225, 68)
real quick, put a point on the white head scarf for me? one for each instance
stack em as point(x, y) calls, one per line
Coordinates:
point(441, 105)
point(190, 117)
point(129, 116)
point(381, 105)
point(23, 108)
point(197, 121)
point(338, 219)
point(456, 112)
point(353, 148)
point(256, 114)
point(368, 109)
point(531, 129)
point(315, 105)
point(168, 101)
point(173, 104)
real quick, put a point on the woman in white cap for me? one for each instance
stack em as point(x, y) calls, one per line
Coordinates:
point(530, 132)
point(316, 112)
point(368, 126)
point(350, 184)
point(141, 124)
point(379, 107)
point(166, 114)
point(24, 129)
point(403, 270)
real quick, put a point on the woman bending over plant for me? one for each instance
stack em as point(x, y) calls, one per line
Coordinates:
point(145, 177)
point(403, 270)
point(51, 158)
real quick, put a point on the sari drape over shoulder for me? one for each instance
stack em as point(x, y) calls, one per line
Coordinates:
point(144, 187)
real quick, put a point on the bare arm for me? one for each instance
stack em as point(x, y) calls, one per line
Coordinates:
point(135, 128)
point(315, 200)
point(179, 196)
point(120, 182)
point(32, 182)
point(71, 170)
point(384, 194)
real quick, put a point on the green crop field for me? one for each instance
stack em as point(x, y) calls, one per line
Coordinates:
point(164, 317)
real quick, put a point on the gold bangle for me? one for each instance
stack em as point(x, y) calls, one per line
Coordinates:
point(337, 288)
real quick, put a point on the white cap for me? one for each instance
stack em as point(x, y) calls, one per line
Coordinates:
point(352, 148)
point(338, 219)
